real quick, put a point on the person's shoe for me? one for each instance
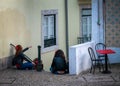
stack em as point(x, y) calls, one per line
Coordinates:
point(61, 72)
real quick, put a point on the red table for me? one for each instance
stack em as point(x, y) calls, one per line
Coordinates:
point(106, 52)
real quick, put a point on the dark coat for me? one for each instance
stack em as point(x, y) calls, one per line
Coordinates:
point(20, 57)
point(58, 64)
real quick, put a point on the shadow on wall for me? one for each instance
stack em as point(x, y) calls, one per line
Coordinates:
point(14, 29)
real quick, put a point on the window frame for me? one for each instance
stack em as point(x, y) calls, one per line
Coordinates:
point(45, 13)
point(84, 7)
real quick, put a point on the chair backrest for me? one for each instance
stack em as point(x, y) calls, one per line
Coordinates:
point(91, 53)
point(100, 46)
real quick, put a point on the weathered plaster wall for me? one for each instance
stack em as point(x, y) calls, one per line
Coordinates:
point(20, 23)
point(40, 5)
point(14, 27)
point(73, 21)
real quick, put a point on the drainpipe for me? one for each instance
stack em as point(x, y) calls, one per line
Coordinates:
point(66, 30)
point(98, 22)
point(104, 18)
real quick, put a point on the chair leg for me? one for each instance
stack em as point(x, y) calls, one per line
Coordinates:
point(91, 69)
point(99, 66)
point(102, 66)
point(109, 63)
point(94, 69)
point(94, 66)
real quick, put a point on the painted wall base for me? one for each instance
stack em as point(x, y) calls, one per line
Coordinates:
point(5, 62)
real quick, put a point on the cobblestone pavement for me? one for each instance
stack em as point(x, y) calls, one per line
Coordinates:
point(13, 77)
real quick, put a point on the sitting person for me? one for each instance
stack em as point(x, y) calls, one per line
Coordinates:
point(59, 65)
point(21, 60)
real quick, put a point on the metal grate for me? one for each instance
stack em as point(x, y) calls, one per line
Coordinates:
point(83, 39)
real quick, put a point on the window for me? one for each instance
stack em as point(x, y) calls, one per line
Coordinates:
point(86, 23)
point(49, 29)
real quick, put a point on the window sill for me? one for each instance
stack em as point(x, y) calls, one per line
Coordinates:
point(48, 49)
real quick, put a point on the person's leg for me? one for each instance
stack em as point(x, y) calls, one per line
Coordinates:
point(26, 65)
point(53, 70)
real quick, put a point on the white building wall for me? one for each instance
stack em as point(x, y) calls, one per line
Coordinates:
point(79, 59)
point(97, 21)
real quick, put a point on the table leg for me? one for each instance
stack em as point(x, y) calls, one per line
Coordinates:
point(106, 71)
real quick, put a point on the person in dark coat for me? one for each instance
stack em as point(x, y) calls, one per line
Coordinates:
point(59, 65)
point(21, 60)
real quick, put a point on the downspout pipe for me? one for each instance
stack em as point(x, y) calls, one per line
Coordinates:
point(66, 30)
point(104, 19)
